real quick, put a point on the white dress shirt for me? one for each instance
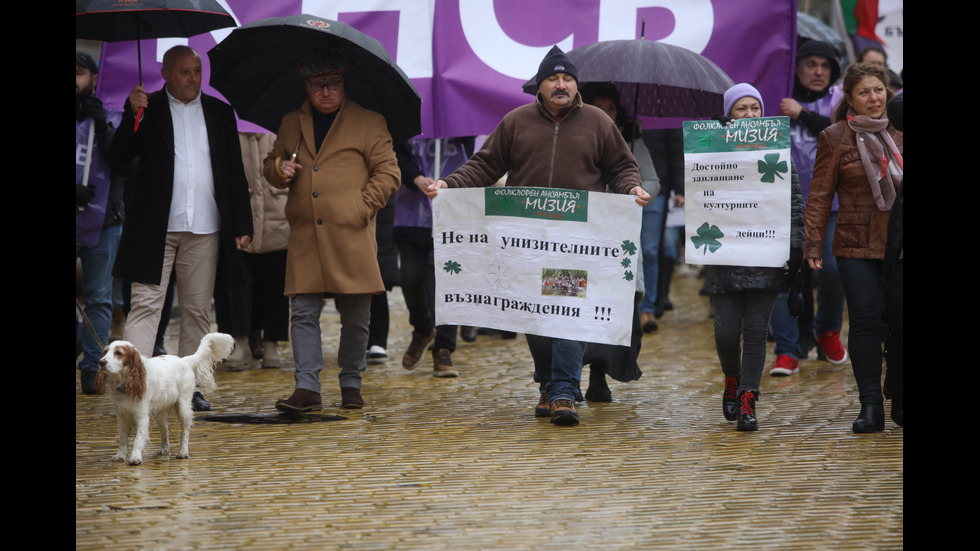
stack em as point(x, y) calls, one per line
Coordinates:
point(193, 207)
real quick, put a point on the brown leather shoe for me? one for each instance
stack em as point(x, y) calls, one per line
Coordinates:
point(301, 401)
point(442, 363)
point(543, 409)
point(563, 413)
point(350, 398)
point(414, 351)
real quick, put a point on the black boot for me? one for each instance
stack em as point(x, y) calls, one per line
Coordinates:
point(871, 418)
point(729, 400)
point(598, 388)
point(898, 411)
point(893, 388)
point(666, 268)
point(746, 411)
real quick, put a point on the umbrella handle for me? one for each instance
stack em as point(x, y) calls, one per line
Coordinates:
point(139, 117)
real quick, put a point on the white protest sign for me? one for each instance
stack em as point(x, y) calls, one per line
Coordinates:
point(737, 192)
point(545, 261)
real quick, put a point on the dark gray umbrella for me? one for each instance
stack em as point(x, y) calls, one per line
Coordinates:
point(256, 69)
point(654, 79)
point(118, 21)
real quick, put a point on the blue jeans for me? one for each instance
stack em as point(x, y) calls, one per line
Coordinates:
point(97, 289)
point(671, 239)
point(651, 232)
point(557, 366)
point(786, 329)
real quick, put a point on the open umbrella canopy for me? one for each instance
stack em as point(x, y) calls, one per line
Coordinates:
point(654, 79)
point(811, 28)
point(116, 20)
point(256, 68)
point(119, 21)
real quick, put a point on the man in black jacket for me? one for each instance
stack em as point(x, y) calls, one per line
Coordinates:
point(190, 203)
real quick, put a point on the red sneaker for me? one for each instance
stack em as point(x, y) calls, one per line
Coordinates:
point(830, 344)
point(785, 365)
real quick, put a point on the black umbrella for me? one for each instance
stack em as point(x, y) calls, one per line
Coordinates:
point(657, 79)
point(256, 69)
point(118, 21)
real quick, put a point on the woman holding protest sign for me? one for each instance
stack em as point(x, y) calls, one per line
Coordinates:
point(859, 158)
point(742, 297)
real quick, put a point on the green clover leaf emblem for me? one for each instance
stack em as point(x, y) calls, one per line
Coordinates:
point(771, 167)
point(629, 247)
point(707, 237)
point(452, 267)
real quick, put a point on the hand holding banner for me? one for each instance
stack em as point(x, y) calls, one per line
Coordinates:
point(737, 183)
point(546, 261)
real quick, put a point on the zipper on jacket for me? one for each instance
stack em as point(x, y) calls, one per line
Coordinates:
point(554, 149)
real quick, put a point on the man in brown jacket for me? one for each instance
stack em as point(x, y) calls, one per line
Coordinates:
point(337, 160)
point(558, 141)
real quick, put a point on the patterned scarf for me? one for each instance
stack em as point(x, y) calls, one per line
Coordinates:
point(876, 158)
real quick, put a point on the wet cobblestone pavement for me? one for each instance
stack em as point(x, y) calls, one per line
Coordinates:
point(462, 463)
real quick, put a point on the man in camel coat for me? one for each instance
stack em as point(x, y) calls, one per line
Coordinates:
point(337, 160)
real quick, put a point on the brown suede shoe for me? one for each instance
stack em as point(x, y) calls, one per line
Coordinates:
point(350, 398)
point(442, 364)
point(543, 409)
point(301, 401)
point(414, 351)
point(563, 413)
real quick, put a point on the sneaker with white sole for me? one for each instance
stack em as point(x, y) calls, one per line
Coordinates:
point(376, 354)
point(785, 365)
point(830, 343)
point(442, 363)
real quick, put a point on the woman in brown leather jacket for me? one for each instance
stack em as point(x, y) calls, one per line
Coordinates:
point(860, 159)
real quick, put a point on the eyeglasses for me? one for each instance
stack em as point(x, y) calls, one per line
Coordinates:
point(332, 85)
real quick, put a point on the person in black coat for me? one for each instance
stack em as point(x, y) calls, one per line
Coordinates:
point(181, 217)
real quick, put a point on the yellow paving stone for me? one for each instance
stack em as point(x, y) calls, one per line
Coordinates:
point(463, 464)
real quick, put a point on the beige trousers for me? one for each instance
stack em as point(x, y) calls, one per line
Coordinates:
point(194, 258)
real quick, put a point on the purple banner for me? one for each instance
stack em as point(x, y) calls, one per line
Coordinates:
point(469, 58)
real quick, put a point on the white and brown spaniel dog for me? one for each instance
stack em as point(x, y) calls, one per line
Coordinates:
point(148, 389)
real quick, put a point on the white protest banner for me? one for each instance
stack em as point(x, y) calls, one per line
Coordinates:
point(545, 261)
point(737, 192)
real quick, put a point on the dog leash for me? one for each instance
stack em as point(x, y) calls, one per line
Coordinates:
point(81, 311)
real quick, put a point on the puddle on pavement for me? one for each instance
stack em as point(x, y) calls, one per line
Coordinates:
point(270, 418)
